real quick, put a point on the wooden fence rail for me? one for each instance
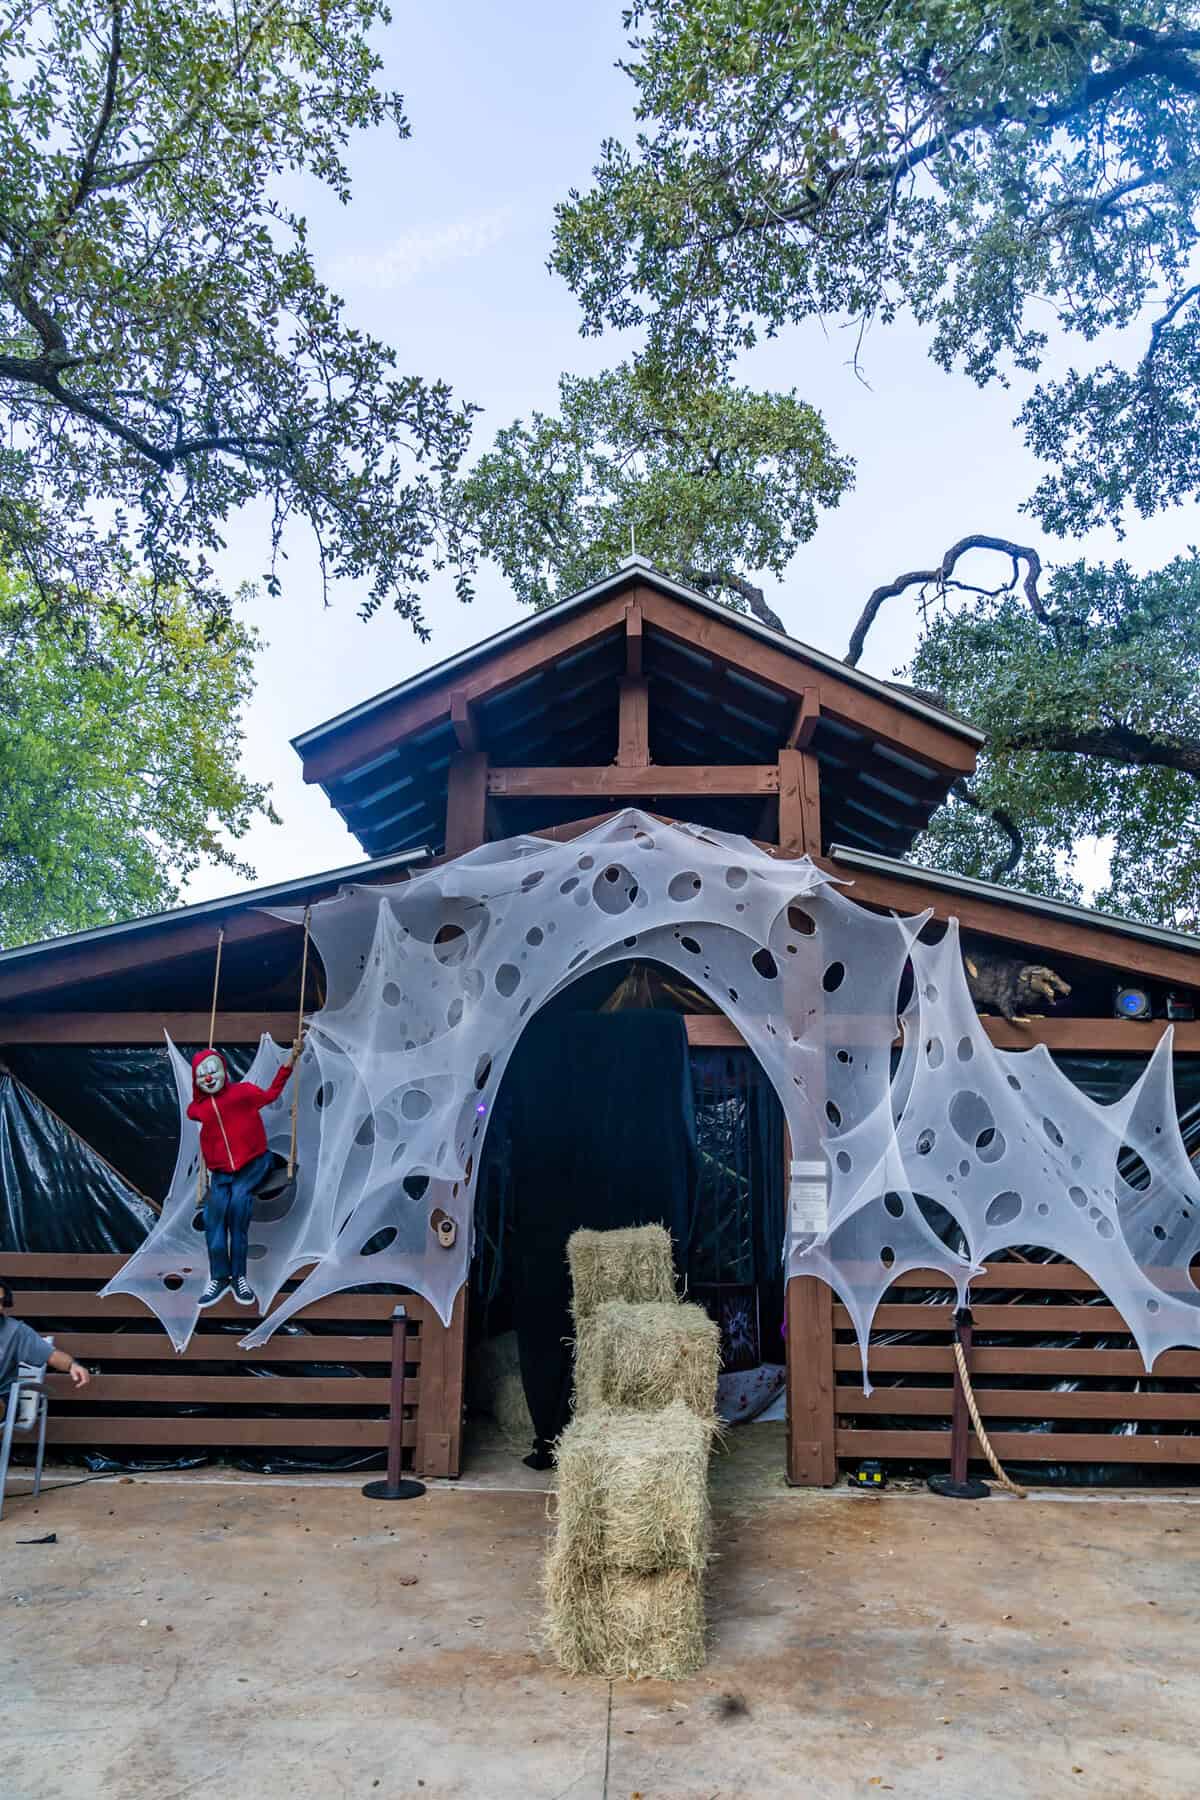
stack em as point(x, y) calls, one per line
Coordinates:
point(231, 1404)
point(914, 1382)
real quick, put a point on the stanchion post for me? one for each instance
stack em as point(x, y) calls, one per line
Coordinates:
point(395, 1486)
point(958, 1485)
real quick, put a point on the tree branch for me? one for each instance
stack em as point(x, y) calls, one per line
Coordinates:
point(940, 579)
point(755, 599)
point(962, 790)
point(1113, 743)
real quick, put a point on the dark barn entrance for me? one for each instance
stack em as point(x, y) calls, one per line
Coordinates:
point(610, 1117)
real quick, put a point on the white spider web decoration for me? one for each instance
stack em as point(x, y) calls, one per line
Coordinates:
point(431, 982)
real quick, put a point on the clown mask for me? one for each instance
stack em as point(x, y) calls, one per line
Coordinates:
point(210, 1074)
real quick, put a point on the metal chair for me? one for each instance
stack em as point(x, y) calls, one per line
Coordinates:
point(29, 1385)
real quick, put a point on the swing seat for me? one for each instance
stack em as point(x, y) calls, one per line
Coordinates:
point(276, 1192)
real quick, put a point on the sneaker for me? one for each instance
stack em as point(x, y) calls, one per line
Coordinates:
point(243, 1293)
point(212, 1291)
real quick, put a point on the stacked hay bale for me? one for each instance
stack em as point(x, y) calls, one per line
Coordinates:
point(624, 1578)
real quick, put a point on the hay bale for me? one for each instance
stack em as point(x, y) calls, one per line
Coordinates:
point(624, 1626)
point(494, 1386)
point(634, 1264)
point(633, 1490)
point(646, 1354)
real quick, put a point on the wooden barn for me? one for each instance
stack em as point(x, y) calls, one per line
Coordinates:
point(637, 690)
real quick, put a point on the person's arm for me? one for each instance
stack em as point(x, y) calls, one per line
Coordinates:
point(193, 1111)
point(62, 1364)
point(269, 1094)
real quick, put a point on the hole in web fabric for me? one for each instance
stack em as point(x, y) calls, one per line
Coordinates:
point(1004, 1208)
point(736, 877)
point(415, 1186)
point(172, 1283)
point(508, 979)
point(893, 1204)
point(380, 1241)
point(1132, 1169)
point(391, 995)
point(765, 965)
point(833, 977)
point(685, 886)
point(801, 922)
point(450, 944)
point(887, 1256)
point(416, 1104)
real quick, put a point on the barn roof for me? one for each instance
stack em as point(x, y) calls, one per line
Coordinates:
point(723, 690)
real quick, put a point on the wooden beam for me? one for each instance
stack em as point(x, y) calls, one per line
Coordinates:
point(799, 803)
point(143, 1027)
point(808, 717)
point(463, 721)
point(1134, 1037)
point(688, 780)
point(633, 735)
point(380, 730)
point(890, 721)
point(1093, 943)
point(633, 638)
point(466, 802)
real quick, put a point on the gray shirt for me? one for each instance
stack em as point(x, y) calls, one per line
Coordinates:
point(19, 1343)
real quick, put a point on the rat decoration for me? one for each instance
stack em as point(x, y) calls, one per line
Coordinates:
point(1010, 987)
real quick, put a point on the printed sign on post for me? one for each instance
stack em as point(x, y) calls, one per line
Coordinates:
point(808, 1198)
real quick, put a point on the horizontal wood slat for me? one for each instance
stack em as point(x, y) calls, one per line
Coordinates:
point(229, 1390)
point(1039, 1317)
point(1023, 1403)
point(1025, 1446)
point(211, 1346)
point(296, 1433)
point(895, 1359)
point(616, 780)
point(61, 1303)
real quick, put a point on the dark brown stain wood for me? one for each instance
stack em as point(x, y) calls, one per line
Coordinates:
point(884, 719)
point(648, 781)
point(466, 802)
point(799, 803)
point(633, 727)
point(381, 731)
point(1093, 942)
point(812, 1447)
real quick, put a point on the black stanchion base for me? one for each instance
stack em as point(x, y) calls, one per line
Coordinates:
point(949, 1489)
point(403, 1490)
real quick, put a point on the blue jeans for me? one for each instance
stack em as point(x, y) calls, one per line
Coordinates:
point(227, 1216)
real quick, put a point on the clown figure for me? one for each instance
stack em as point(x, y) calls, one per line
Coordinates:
point(233, 1144)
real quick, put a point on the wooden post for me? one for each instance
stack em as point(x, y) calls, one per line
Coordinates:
point(466, 802)
point(960, 1422)
point(812, 1443)
point(439, 1415)
point(633, 736)
point(799, 803)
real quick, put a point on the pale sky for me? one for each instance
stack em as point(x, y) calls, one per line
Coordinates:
point(442, 253)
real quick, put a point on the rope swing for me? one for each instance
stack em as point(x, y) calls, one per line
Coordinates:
point(291, 1166)
point(201, 1171)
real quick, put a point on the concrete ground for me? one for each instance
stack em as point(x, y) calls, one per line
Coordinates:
point(215, 1634)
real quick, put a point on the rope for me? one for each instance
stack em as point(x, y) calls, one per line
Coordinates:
point(212, 1020)
point(984, 1442)
point(212, 1032)
point(291, 1168)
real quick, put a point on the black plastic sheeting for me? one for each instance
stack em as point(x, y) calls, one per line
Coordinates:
point(120, 1101)
point(56, 1194)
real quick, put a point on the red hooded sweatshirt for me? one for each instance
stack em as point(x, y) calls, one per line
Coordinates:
point(231, 1131)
